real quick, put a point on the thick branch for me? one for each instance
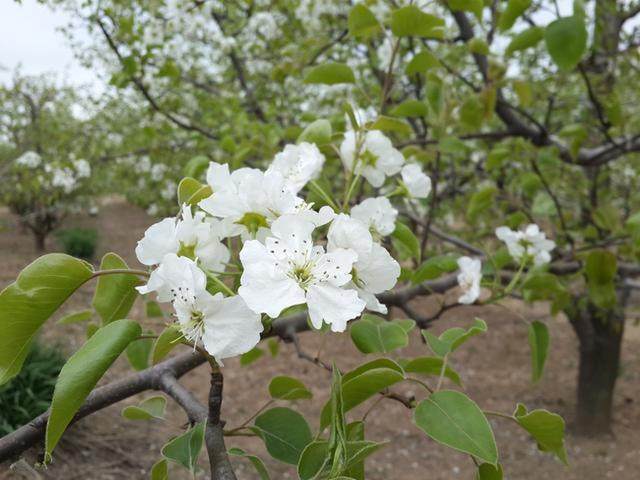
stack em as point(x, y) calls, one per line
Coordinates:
point(102, 397)
point(221, 468)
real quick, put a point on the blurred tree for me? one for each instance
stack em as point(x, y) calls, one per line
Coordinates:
point(524, 110)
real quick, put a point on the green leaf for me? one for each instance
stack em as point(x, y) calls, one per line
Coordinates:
point(405, 241)
point(431, 366)
point(539, 343)
point(478, 45)
point(486, 471)
point(473, 6)
point(364, 382)
point(390, 124)
point(152, 407)
point(168, 339)
point(138, 353)
point(330, 74)
point(600, 270)
point(410, 109)
point(526, 39)
point(285, 433)
point(452, 338)
point(546, 428)
point(362, 22)
point(76, 317)
point(566, 40)
point(251, 356)
point(81, 373)
point(185, 449)
point(288, 388)
point(480, 202)
point(313, 459)
point(115, 294)
point(196, 166)
point(422, 62)
point(411, 21)
point(373, 334)
point(434, 267)
point(318, 132)
point(40, 289)
point(191, 191)
point(514, 9)
point(546, 286)
point(472, 112)
point(406, 324)
point(160, 470)
point(453, 419)
point(257, 462)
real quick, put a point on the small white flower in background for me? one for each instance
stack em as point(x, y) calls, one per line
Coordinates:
point(377, 158)
point(375, 270)
point(469, 279)
point(298, 164)
point(289, 270)
point(248, 196)
point(29, 159)
point(63, 178)
point(225, 326)
point(417, 182)
point(169, 190)
point(83, 168)
point(142, 165)
point(190, 235)
point(378, 214)
point(157, 171)
point(531, 241)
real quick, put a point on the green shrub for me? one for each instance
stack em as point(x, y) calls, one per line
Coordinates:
point(30, 392)
point(79, 242)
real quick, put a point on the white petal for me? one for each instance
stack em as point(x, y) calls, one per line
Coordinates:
point(348, 232)
point(336, 306)
point(335, 267)
point(377, 270)
point(159, 239)
point(230, 328)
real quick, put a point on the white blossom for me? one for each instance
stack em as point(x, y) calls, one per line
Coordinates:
point(469, 279)
point(63, 178)
point(189, 235)
point(248, 196)
point(289, 270)
point(374, 157)
point(225, 326)
point(378, 214)
point(531, 242)
point(375, 270)
point(298, 164)
point(417, 182)
point(83, 168)
point(29, 159)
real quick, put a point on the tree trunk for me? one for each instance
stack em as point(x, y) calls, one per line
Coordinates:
point(600, 336)
point(40, 238)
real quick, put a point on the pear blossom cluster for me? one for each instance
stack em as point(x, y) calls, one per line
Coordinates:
point(529, 243)
point(61, 176)
point(289, 253)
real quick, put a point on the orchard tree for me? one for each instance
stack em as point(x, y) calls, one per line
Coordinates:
point(521, 111)
point(257, 255)
point(45, 171)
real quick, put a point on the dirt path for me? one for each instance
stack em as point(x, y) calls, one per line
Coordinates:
point(494, 369)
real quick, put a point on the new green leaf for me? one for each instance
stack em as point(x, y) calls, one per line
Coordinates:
point(115, 293)
point(81, 374)
point(453, 419)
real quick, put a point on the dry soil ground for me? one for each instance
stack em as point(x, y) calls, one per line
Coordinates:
point(494, 369)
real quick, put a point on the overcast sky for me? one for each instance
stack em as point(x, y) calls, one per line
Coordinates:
point(29, 37)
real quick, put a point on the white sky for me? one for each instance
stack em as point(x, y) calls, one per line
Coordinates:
point(29, 37)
